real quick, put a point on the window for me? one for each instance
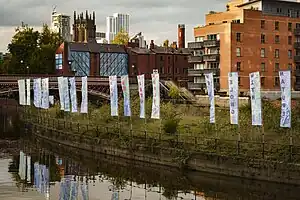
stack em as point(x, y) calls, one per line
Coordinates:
point(161, 58)
point(290, 13)
point(263, 67)
point(276, 81)
point(262, 53)
point(238, 66)
point(290, 66)
point(262, 24)
point(238, 37)
point(276, 53)
point(262, 39)
point(276, 69)
point(276, 26)
point(262, 81)
point(289, 26)
point(290, 54)
point(277, 39)
point(279, 10)
point(297, 25)
point(238, 52)
point(239, 80)
point(290, 40)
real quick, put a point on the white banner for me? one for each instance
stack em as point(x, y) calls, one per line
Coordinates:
point(155, 114)
point(28, 169)
point(51, 100)
point(28, 88)
point(45, 93)
point(22, 92)
point(84, 95)
point(66, 94)
point(126, 95)
point(113, 86)
point(209, 79)
point(73, 95)
point(141, 85)
point(233, 97)
point(286, 111)
point(61, 92)
point(255, 98)
point(37, 91)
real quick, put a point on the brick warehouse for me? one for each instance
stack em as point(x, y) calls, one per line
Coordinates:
point(93, 59)
point(259, 35)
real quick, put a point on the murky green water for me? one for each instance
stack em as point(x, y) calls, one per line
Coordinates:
point(32, 169)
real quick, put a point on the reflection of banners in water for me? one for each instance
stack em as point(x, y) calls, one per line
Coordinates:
point(84, 190)
point(22, 166)
point(115, 196)
point(67, 186)
point(36, 175)
point(74, 190)
point(62, 189)
point(28, 168)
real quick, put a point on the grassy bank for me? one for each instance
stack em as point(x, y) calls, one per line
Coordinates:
point(191, 120)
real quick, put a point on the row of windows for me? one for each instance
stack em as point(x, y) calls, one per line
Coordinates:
point(263, 67)
point(263, 81)
point(276, 25)
point(263, 39)
point(263, 53)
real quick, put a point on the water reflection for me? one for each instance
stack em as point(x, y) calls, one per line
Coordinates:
point(61, 173)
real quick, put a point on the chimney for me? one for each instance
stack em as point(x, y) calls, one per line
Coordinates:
point(181, 36)
point(152, 44)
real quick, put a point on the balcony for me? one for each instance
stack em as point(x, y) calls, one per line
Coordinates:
point(297, 45)
point(195, 59)
point(196, 86)
point(297, 58)
point(211, 43)
point(211, 57)
point(201, 72)
point(297, 31)
point(195, 45)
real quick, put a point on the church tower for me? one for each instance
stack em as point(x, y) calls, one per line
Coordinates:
point(84, 27)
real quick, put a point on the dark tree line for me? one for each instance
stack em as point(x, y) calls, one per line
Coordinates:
point(31, 51)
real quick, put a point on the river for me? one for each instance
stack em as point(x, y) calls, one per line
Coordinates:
point(34, 169)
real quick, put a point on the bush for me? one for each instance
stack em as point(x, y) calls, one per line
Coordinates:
point(171, 118)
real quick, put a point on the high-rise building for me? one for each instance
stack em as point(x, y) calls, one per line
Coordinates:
point(61, 24)
point(260, 35)
point(84, 28)
point(116, 23)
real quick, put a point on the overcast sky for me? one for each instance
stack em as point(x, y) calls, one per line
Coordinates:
point(156, 19)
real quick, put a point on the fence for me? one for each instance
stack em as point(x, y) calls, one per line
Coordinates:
point(184, 142)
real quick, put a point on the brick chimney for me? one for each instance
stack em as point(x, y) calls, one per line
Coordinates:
point(181, 36)
point(152, 44)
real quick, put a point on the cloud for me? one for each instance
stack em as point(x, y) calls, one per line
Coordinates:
point(157, 19)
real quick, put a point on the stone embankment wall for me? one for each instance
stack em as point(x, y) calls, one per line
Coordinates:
point(212, 163)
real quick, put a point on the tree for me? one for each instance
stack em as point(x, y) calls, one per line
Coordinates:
point(33, 52)
point(121, 38)
point(166, 43)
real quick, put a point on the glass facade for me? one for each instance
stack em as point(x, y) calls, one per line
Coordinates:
point(80, 63)
point(113, 64)
point(58, 61)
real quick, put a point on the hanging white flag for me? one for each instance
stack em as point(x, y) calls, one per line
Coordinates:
point(255, 98)
point(286, 111)
point(28, 169)
point(209, 79)
point(141, 85)
point(45, 93)
point(66, 94)
point(155, 114)
point(28, 88)
point(51, 100)
point(233, 97)
point(84, 93)
point(37, 91)
point(61, 92)
point(73, 95)
point(22, 93)
point(126, 95)
point(113, 86)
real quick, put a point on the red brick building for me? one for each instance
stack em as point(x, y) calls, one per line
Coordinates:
point(172, 64)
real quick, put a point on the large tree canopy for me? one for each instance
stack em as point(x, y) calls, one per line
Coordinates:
point(121, 38)
point(32, 51)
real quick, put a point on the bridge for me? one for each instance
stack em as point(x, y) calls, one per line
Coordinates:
point(97, 86)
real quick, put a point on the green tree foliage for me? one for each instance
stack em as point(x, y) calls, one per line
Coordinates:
point(174, 93)
point(121, 38)
point(32, 51)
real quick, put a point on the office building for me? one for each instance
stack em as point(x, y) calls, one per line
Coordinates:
point(61, 24)
point(139, 40)
point(100, 38)
point(116, 23)
point(258, 35)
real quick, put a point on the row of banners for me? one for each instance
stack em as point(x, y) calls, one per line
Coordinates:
point(68, 98)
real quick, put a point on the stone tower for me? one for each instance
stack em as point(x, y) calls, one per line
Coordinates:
point(84, 27)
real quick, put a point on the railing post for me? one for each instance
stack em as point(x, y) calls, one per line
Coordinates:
point(291, 149)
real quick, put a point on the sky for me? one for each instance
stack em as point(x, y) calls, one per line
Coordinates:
point(156, 19)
